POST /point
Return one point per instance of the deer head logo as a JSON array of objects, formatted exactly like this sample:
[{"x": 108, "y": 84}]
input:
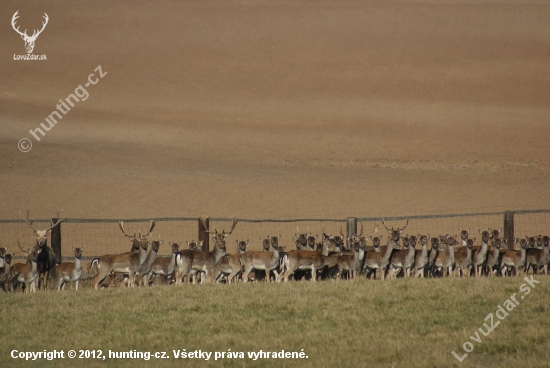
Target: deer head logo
[{"x": 29, "y": 40}]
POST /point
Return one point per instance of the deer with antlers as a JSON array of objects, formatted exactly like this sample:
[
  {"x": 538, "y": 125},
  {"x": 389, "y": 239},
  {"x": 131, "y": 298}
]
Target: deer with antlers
[
  {"x": 206, "y": 261},
  {"x": 47, "y": 258},
  {"x": 395, "y": 234},
  {"x": 29, "y": 40},
  {"x": 127, "y": 263}
]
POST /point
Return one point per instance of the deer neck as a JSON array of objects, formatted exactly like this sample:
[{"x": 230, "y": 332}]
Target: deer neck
[
  {"x": 484, "y": 247},
  {"x": 464, "y": 243},
  {"x": 218, "y": 253},
  {"x": 388, "y": 253},
  {"x": 77, "y": 264},
  {"x": 523, "y": 255},
  {"x": 172, "y": 264},
  {"x": 142, "y": 255},
  {"x": 151, "y": 257},
  {"x": 361, "y": 254},
  {"x": 451, "y": 253}
]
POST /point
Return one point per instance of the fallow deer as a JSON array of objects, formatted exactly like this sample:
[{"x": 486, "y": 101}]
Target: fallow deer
[
  {"x": 537, "y": 258},
  {"x": 206, "y": 261},
  {"x": 266, "y": 261},
  {"x": 434, "y": 243},
  {"x": 164, "y": 267},
  {"x": 403, "y": 259},
  {"x": 70, "y": 271},
  {"x": 421, "y": 257},
  {"x": 351, "y": 264},
  {"x": 463, "y": 258},
  {"x": 299, "y": 260},
  {"x": 445, "y": 260},
  {"x": 479, "y": 253},
  {"x": 46, "y": 258},
  {"x": 514, "y": 259},
  {"x": 377, "y": 260},
  {"x": 5, "y": 271},
  {"x": 463, "y": 255},
  {"x": 26, "y": 274},
  {"x": 144, "y": 270},
  {"x": 300, "y": 241},
  {"x": 493, "y": 257},
  {"x": 184, "y": 260},
  {"x": 127, "y": 263},
  {"x": 3, "y": 252},
  {"x": 395, "y": 234},
  {"x": 231, "y": 264}
]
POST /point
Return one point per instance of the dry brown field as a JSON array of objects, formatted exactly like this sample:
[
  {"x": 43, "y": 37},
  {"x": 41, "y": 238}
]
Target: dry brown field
[{"x": 277, "y": 109}]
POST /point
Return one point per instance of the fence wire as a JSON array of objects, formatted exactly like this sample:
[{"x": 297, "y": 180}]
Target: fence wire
[{"x": 103, "y": 236}]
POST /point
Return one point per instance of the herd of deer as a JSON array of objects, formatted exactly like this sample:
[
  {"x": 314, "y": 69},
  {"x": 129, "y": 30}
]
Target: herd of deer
[{"x": 311, "y": 260}]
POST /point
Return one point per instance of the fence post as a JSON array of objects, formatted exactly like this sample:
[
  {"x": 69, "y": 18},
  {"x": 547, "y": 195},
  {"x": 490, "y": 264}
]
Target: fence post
[
  {"x": 509, "y": 228},
  {"x": 203, "y": 235},
  {"x": 351, "y": 229},
  {"x": 55, "y": 236}
]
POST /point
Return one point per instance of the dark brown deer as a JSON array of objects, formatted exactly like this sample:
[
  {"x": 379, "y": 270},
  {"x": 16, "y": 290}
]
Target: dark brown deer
[{"x": 46, "y": 257}]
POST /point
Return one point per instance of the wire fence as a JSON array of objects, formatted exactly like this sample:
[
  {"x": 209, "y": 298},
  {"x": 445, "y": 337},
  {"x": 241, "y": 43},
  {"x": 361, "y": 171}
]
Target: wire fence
[{"x": 103, "y": 236}]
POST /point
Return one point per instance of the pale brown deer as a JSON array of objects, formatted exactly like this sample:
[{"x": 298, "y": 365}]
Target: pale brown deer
[
  {"x": 127, "y": 263},
  {"x": 70, "y": 271},
  {"x": 231, "y": 263},
  {"x": 206, "y": 261},
  {"x": 26, "y": 274},
  {"x": 514, "y": 259}
]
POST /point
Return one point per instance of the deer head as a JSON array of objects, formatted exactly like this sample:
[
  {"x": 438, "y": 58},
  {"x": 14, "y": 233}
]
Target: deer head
[
  {"x": 464, "y": 234},
  {"x": 29, "y": 40},
  {"x": 195, "y": 246},
  {"x": 241, "y": 245},
  {"x": 78, "y": 251},
  {"x": 219, "y": 238},
  {"x": 265, "y": 243},
  {"x": 41, "y": 235},
  {"x": 395, "y": 234}
]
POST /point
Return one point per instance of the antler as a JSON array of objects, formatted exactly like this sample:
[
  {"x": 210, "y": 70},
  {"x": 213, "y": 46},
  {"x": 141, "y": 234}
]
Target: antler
[
  {"x": 232, "y": 226},
  {"x": 35, "y": 34},
  {"x": 376, "y": 228},
  {"x": 203, "y": 219},
  {"x": 121, "y": 227},
  {"x": 15, "y": 16},
  {"x": 43, "y": 26},
  {"x": 26, "y": 219},
  {"x": 58, "y": 221},
  {"x": 384, "y": 223},
  {"x": 20, "y": 247},
  {"x": 341, "y": 232},
  {"x": 153, "y": 223},
  {"x": 405, "y": 224}
]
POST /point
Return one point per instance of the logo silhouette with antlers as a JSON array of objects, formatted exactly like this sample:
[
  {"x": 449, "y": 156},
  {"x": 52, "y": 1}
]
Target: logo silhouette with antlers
[{"x": 29, "y": 40}]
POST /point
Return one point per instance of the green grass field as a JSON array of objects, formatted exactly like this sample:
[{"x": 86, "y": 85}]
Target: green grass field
[{"x": 399, "y": 323}]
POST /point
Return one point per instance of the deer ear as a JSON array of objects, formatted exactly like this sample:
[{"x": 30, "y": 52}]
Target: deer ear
[
  {"x": 201, "y": 242},
  {"x": 261, "y": 241}
]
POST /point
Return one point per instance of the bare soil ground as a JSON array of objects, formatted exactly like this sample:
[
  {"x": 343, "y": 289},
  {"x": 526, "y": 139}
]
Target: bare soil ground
[{"x": 261, "y": 109}]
